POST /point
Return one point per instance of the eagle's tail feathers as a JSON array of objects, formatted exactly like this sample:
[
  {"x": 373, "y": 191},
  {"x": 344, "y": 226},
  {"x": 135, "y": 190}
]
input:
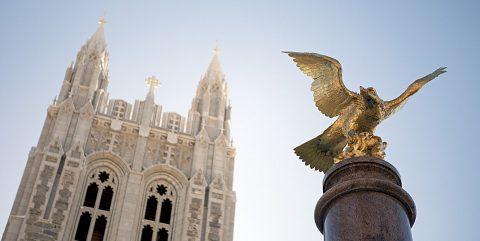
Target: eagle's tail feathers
[{"x": 316, "y": 153}]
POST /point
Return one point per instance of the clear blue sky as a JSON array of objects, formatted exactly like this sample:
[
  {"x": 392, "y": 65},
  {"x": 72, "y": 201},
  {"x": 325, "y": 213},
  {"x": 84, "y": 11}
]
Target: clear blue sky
[{"x": 380, "y": 44}]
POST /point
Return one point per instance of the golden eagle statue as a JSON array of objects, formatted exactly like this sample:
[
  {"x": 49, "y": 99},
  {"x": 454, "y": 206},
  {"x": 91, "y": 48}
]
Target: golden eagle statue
[{"x": 358, "y": 114}]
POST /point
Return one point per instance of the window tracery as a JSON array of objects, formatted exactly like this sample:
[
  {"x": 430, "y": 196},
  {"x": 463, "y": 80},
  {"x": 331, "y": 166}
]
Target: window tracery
[
  {"x": 95, "y": 211},
  {"x": 158, "y": 212}
]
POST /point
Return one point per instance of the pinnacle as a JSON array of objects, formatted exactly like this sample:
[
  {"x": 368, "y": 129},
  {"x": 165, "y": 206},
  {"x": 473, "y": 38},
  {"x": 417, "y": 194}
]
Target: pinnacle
[
  {"x": 97, "y": 40},
  {"x": 214, "y": 70}
]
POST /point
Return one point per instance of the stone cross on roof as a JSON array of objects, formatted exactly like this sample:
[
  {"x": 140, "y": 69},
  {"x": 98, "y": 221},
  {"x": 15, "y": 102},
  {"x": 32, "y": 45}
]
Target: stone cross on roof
[
  {"x": 102, "y": 21},
  {"x": 152, "y": 82},
  {"x": 216, "y": 49}
]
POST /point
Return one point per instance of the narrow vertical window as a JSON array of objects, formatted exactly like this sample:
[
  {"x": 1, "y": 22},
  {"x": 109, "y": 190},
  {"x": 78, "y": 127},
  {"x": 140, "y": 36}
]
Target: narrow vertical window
[
  {"x": 162, "y": 235},
  {"x": 91, "y": 195},
  {"x": 159, "y": 212},
  {"x": 98, "y": 202},
  {"x": 106, "y": 199},
  {"x": 166, "y": 211},
  {"x": 83, "y": 225},
  {"x": 147, "y": 233},
  {"x": 151, "y": 209},
  {"x": 99, "y": 229}
]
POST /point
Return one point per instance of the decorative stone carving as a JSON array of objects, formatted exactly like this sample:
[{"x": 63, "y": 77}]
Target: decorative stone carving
[
  {"x": 153, "y": 152},
  {"x": 194, "y": 220},
  {"x": 172, "y": 137},
  {"x": 183, "y": 158},
  {"x": 76, "y": 151},
  {"x": 126, "y": 146},
  {"x": 67, "y": 106},
  {"x": 98, "y": 139},
  {"x": 64, "y": 194},
  {"x": 116, "y": 124},
  {"x": 55, "y": 146},
  {"x": 144, "y": 131},
  {"x": 198, "y": 178},
  {"x": 202, "y": 138},
  {"x": 52, "y": 111},
  {"x": 221, "y": 141},
  {"x": 39, "y": 199},
  {"x": 218, "y": 183},
  {"x": 87, "y": 111},
  {"x": 214, "y": 223}
]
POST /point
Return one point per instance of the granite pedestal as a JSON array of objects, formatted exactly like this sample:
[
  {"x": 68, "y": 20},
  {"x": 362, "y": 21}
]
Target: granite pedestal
[{"x": 363, "y": 200}]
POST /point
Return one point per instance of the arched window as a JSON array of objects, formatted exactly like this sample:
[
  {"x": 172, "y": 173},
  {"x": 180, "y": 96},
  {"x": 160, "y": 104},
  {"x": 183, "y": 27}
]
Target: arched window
[
  {"x": 158, "y": 212},
  {"x": 151, "y": 209},
  {"x": 97, "y": 204},
  {"x": 147, "y": 233},
  {"x": 91, "y": 195},
  {"x": 106, "y": 199},
  {"x": 166, "y": 211},
  {"x": 99, "y": 228},
  {"x": 162, "y": 235},
  {"x": 83, "y": 226}
]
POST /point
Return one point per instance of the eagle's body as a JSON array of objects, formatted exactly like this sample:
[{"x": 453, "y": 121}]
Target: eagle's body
[{"x": 357, "y": 113}]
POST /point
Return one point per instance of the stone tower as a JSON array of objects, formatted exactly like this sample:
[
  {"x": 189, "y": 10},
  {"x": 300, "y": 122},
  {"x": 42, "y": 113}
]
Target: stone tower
[{"x": 104, "y": 169}]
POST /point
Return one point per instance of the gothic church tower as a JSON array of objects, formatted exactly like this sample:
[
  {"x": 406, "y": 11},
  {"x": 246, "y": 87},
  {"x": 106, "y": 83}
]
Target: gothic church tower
[{"x": 104, "y": 169}]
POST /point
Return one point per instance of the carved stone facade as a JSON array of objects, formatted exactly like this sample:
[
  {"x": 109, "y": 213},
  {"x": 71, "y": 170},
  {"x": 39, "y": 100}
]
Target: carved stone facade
[{"x": 109, "y": 170}]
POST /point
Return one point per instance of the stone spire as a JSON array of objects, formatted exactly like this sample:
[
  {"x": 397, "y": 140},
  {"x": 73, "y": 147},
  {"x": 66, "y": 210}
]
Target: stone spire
[
  {"x": 97, "y": 40},
  {"x": 86, "y": 80},
  {"x": 209, "y": 106},
  {"x": 214, "y": 70}
]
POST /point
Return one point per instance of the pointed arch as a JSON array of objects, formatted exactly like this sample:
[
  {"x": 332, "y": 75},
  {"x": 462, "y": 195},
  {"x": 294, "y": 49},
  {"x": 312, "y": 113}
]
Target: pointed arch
[
  {"x": 147, "y": 233},
  {"x": 91, "y": 195},
  {"x": 164, "y": 186},
  {"x": 162, "y": 235},
  {"x": 105, "y": 175},
  {"x": 172, "y": 174},
  {"x": 151, "y": 208},
  {"x": 99, "y": 158}
]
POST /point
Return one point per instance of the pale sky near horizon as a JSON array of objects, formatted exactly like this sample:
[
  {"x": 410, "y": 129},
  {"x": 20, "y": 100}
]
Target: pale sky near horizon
[{"x": 384, "y": 44}]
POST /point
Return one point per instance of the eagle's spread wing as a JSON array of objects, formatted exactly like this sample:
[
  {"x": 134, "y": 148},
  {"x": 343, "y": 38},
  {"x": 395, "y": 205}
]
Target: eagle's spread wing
[
  {"x": 392, "y": 106},
  {"x": 330, "y": 94}
]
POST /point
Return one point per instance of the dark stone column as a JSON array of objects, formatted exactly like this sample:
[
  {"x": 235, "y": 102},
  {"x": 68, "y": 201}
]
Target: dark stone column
[{"x": 363, "y": 200}]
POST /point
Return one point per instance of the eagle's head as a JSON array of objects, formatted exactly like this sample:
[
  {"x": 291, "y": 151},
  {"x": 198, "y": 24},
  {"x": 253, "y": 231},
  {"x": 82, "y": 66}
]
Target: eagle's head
[{"x": 370, "y": 97}]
